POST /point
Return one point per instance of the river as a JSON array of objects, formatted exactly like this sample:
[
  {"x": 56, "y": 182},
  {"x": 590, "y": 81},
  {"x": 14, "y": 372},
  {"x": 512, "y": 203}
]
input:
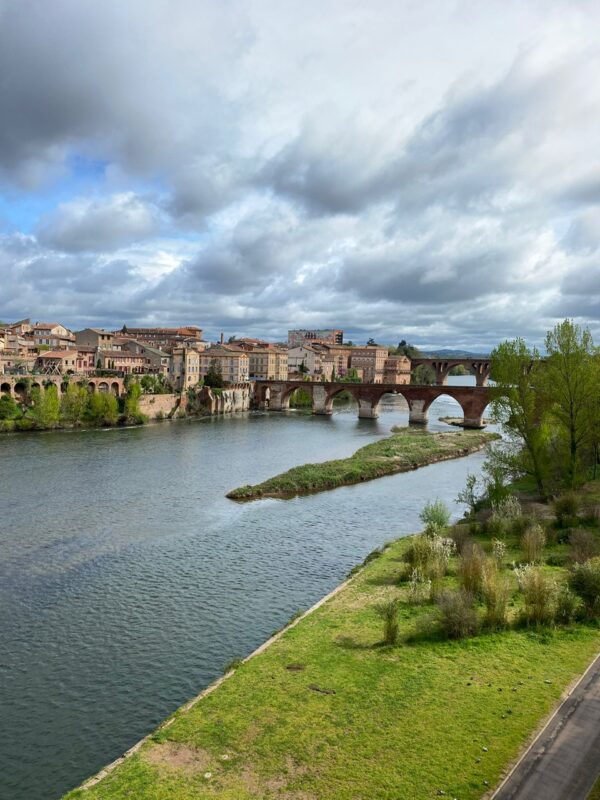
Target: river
[{"x": 128, "y": 580}]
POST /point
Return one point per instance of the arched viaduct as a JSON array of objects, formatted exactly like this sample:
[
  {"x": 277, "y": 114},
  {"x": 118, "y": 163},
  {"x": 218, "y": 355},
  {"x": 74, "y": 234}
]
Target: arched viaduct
[
  {"x": 275, "y": 395},
  {"x": 16, "y": 385},
  {"x": 479, "y": 367}
]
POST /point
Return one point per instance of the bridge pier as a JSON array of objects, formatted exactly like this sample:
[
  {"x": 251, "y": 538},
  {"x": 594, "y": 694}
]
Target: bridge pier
[
  {"x": 418, "y": 413},
  {"x": 366, "y": 410},
  {"x": 319, "y": 404}
]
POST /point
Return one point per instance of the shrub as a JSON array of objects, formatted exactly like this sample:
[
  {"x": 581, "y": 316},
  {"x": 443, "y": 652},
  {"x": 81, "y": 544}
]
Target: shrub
[
  {"x": 430, "y": 555},
  {"x": 539, "y": 592},
  {"x": 435, "y": 516},
  {"x": 419, "y": 588},
  {"x": 584, "y": 546},
  {"x": 471, "y": 569},
  {"x": 532, "y": 543},
  {"x": 566, "y": 509},
  {"x": 506, "y": 516},
  {"x": 461, "y": 537},
  {"x": 585, "y": 582},
  {"x": 496, "y": 594},
  {"x": 456, "y": 616},
  {"x": 469, "y": 496},
  {"x": 389, "y": 614},
  {"x": 566, "y": 606},
  {"x": 8, "y": 408},
  {"x": 498, "y": 551}
]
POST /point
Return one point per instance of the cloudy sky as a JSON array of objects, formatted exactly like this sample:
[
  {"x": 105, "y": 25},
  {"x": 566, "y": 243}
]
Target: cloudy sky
[{"x": 424, "y": 169}]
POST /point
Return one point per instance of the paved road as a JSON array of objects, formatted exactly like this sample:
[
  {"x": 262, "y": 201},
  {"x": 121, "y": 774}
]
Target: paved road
[{"x": 563, "y": 763}]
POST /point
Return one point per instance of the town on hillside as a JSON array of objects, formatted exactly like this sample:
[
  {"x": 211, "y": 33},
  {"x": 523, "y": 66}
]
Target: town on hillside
[{"x": 183, "y": 359}]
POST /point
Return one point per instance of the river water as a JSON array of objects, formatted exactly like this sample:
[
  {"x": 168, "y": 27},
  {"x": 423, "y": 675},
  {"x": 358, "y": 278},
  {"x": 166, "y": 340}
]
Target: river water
[{"x": 128, "y": 580}]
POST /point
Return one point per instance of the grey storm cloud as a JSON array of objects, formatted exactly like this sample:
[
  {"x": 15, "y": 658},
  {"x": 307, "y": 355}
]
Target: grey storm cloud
[{"x": 385, "y": 167}]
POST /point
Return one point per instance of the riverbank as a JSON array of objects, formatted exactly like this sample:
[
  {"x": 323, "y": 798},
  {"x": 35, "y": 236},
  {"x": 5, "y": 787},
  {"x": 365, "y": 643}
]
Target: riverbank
[
  {"x": 405, "y": 450},
  {"x": 329, "y": 711}
]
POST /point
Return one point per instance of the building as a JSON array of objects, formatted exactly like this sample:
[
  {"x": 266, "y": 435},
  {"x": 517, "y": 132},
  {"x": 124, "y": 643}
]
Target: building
[
  {"x": 268, "y": 364},
  {"x": 164, "y": 337},
  {"x": 304, "y": 361},
  {"x": 51, "y": 334},
  {"x": 184, "y": 368},
  {"x": 158, "y": 361},
  {"x": 95, "y": 337},
  {"x": 396, "y": 369},
  {"x": 371, "y": 361},
  {"x": 233, "y": 363},
  {"x": 305, "y": 336},
  {"x": 57, "y": 362},
  {"x": 122, "y": 361},
  {"x": 86, "y": 360}
]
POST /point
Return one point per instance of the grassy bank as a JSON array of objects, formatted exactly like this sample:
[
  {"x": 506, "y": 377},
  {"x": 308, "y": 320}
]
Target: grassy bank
[
  {"x": 406, "y": 449},
  {"x": 328, "y": 711}
]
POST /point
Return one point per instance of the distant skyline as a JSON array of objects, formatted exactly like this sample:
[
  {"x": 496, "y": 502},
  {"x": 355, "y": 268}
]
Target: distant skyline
[{"x": 419, "y": 170}]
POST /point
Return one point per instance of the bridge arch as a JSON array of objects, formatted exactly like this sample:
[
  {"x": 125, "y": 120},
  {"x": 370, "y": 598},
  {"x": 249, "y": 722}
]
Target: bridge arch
[
  {"x": 472, "y": 406},
  {"x": 6, "y": 388},
  {"x": 350, "y": 388}
]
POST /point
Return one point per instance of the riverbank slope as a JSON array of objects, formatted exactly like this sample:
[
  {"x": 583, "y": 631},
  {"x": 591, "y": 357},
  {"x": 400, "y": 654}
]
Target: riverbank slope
[
  {"x": 328, "y": 711},
  {"x": 405, "y": 450}
]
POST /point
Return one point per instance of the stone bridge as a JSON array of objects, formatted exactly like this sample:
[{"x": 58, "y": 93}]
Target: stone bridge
[
  {"x": 275, "y": 395},
  {"x": 479, "y": 367},
  {"x": 16, "y": 385}
]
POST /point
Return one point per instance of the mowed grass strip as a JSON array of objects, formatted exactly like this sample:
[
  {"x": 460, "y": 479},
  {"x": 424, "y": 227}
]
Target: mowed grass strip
[
  {"x": 405, "y": 450},
  {"x": 329, "y": 713}
]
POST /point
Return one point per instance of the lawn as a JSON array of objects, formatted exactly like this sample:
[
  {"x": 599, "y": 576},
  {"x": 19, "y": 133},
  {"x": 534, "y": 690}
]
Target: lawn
[
  {"x": 329, "y": 713},
  {"x": 405, "y": 450}
]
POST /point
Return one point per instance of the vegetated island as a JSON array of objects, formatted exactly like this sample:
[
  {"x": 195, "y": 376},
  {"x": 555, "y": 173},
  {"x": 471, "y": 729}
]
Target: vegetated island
[
  {"x": 405, "y": 450},
  {"x": 389, "y": 689}
]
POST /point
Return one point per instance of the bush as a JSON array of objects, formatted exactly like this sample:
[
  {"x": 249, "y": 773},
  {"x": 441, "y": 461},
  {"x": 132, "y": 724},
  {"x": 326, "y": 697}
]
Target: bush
[
  {"x": 8, "y": 408},
  {"x": 471, "y": 570},
  {"x": 585, "y": 582},
  {"x": 389, "y": 614},
  {"x": 496, "y": 594},
  {"x": 461, "y": 537},
  {"x": 566, "y": 509},
  {"x": 419, "y": 588},
  {"x": 539, "y": 592},
  {"x": 583, "y": 546},
  {"x": 498, "y": 551},
  {"x": 435, "y": 516},
  {"x": 430, "y": 555},
  {"x": 456, "y": 616},
  {"x": 566, "y": 606},
  {"x": 532, "y": 543},
  {"x": 506, "y": 516}
]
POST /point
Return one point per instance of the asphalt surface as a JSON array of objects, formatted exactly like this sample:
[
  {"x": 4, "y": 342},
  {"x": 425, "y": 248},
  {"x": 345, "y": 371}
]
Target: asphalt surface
[{"x": 563, "y": 762}]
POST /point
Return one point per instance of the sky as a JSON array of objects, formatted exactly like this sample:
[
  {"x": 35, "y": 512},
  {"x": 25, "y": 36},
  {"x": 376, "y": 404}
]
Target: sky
[{"x": 423, "y": 170}]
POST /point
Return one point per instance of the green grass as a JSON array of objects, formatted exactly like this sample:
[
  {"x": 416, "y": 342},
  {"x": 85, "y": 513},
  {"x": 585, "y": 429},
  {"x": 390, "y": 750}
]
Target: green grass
[
  {"x": 357, "y": 720},
  {"x": 595, "y": 793},
  {"x": 406, "y": 449}
]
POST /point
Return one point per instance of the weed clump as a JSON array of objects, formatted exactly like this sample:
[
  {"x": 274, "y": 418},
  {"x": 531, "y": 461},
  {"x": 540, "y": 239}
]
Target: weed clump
[
  {"x": 585, "y": 582},
  {"x": 533, "y": 542},
  {"x": 539, "y": 592},
  {"x": 456, "y": 614},
  {"x": 389, "y": 614}
]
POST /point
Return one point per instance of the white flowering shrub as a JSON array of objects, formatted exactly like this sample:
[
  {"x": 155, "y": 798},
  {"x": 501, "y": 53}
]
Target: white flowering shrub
[{"x": 419, "y": 588}]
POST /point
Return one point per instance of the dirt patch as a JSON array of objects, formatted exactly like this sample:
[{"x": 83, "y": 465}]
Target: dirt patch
[
  {"x": 277, "y": 786},
  {"x": 181, "y": 757}
]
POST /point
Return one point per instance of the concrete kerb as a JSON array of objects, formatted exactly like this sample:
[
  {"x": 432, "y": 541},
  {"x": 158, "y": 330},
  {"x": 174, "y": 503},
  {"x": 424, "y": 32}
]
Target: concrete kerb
[
  {"x": 546, "y": 722},
  {"x": 105, "y": 771}
]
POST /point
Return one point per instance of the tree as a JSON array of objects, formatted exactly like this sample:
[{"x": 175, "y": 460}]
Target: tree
[
  {"x": 571, "y": 386},
  {"x": 371, "y": 343},
  {"x": 518, "y": 405},
  {"x": 102, "y": 409},
  {"x": 45, "y": 412},
  {"x": 132, "y": 404},
  {"x": 231, "y": 339},
  {"x": 74, "y": 404},
  {"x": 303, "y": 369},
  {"x": 8, "y": 407},
  {"x": 214, "y": 375},
  {"x": 351, "y": 376}
]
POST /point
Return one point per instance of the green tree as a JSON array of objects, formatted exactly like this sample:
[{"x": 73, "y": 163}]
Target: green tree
[
  {"x": 571, "y": 384},
  {"x": 303, "y": 369},
  {"x": 132, "y": 404},
  {"x": 102, "y": 408},
  {"x": 74, "y": 404},
  {"x": 214, "y": 375},
  {"x": 45, "y": 412},
  {"x": 8, "y": 407},
  {"x": 518, "y": 404},
  {"x": 371, "y": 342}
]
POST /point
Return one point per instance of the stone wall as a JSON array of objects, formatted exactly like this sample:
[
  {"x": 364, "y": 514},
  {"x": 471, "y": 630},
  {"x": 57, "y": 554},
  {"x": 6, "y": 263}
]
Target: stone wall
[
  {"x": 225, "y": 401},
  {"x": 154, "y": 404}
]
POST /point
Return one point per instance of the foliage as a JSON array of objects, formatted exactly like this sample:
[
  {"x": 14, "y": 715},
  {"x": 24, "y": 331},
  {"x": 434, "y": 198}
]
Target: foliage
[
  {"x": 583, "y": 546},
  {"x": 495, "y": 593},
  {"x": 419, "y": 588},
  {"x": 471, "y": 569},
  {"x": 435, "y": 516},
  {"x": 155, "y": 384},
  {"x": 389, "y": 614},
  {"x": 456, "y": 615},
  {"x": 533, "y": 542},
  {"x": 8, "y": 408},
  {"x": 214, "y": 375},
  {"x": 539, "y": 592},
  {"x": 469, "y": 495},
  {"x": 566, "y": 606},
  {"x": 45, "y": 411},
  {"x": 74, "y": 405},
  {"x": 566, "y": 508},
  {"x": 585, "y": 582},
  {"x": 430, "y": 554},
  {"x": 351, "y": 376},
  {"x": 506, "y": 515},
  {"x": 102, "y": 409},
  {"x": 133, "y": 415},
  {"x": 498, "y": 550}
]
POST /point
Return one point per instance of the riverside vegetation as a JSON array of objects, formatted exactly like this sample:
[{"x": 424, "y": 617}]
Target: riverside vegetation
[{"x": 406, "y": 449}]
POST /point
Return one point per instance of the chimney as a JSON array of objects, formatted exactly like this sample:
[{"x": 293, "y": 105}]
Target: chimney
[{"x": 222, "y": 339}]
